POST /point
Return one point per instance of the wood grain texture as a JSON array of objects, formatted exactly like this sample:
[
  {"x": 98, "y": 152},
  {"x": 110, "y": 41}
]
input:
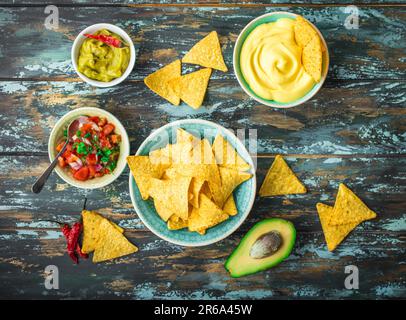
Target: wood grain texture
[
  {"x": 353, "y": 131},
  {"x": 344, "y": 118},
  {"x": 162, "y": 34}
]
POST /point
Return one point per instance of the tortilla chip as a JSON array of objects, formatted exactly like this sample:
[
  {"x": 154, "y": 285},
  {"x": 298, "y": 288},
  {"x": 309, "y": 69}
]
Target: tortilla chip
[
  {"x": 206, "y": 190},
  {"x": 112, "y": 243},
  {"x": 348, "y": 208},
  {"x": 230, "y": 179},
  {"x": 176, "y": 223},
  {"x": 172, "y": 154},
  {"x": 163, "y": 211},
  {"x": 182, "y": 136},
  {"x": 207, "y": 53},
  {"x": 158, "y": 81},
  {"x": 206, "y": 216},
  {"x": 304, "y": 32},
  {"x": 229, "y": 206},
  {"x": 191, "y": 87},
  {"x": 281, "y": 180},
  {"x": 172, "y": 193},
  {"x": 143, "y": 170},
  {"x": 91, "y": 227},
  {"x": 312, "y": 58},
  {"x": 334, "y": 235},
  {"x": 194, "y": 189},
  {"x": 227, "y": 156}
]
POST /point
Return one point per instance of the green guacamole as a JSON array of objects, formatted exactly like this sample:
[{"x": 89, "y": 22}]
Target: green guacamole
[{"x": 102, "y": 62}]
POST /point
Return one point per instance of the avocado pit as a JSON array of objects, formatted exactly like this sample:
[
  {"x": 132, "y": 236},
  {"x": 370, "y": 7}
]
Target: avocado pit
[{"x": 266, "y": 245}]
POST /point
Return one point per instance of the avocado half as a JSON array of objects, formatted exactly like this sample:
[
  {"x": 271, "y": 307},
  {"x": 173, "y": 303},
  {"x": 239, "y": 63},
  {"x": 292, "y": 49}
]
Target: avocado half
[{"x": 240, "y": 263}]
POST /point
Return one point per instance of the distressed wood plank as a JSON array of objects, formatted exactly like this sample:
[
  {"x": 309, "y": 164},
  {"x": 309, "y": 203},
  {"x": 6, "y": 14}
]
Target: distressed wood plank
[
  {"x": 348, "y": 117},
  {"x": 161, "y": 34},
  {"x": 160, "y": 270},
  {"x": 380, "y": 182}
]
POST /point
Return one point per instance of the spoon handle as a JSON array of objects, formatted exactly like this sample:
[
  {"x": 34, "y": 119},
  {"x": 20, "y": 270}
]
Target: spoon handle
[{"x": 39, "y": 184}]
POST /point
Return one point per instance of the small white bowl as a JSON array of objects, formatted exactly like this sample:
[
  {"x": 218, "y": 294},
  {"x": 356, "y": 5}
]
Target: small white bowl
[
  {"x": 266, "y": 18},
  {"x": 57, "y": 133},
  {"x": 92, "y": 29}
]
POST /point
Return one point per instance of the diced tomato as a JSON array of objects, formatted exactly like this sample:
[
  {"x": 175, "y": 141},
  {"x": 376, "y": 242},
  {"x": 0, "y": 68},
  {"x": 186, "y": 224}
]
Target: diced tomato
[
  {"x": 82, "y": 174},
  {"x": 72, "y": 158},
  {"x": 115, "y": 138},
  {"x": 94, "y": 119},
  {"x": 108, "y": 128},
  {"x": 91, "y": 159},
  {"x": 102, "y": 122},
  {"x": 92, "y": 171},
  {"x": 99, "y": 174},
  {"x": 60, "y": 146},
  {"x": 66, "y": 154},
  {"x": 86, "y": 128},
  {"x": 105, "y": 143},
  {"x": 61, "y": 162}
]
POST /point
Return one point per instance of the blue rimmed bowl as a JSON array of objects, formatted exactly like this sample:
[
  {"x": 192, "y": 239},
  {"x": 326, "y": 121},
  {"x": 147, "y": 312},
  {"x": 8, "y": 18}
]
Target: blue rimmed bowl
[
  {"x": 266, "y": 18},
  {"x": 244, "y": 194}
]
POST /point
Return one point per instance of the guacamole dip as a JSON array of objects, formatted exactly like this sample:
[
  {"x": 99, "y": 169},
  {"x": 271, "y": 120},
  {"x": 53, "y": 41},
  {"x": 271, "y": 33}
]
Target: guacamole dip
[
  {"x": 103, "y": 62},
  {"x": 271, "y": 62}
]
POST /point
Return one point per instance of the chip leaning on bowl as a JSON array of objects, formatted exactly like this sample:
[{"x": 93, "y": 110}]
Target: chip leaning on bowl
[
  {"x": 191, "y": 182},
  {"x": 282, "y": 60}
]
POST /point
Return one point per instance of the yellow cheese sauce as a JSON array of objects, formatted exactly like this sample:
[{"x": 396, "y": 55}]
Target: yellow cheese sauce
[
  {"x": 271, "y": 62},
  {"x": 102, "y": 62}
]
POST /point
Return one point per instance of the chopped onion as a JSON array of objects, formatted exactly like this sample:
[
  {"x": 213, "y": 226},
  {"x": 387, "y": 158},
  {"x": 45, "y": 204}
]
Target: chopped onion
[
  {"x": 76, "y": 165},
  {"x": 98, "y": 167},
  {"x": 85, "y": 140}
]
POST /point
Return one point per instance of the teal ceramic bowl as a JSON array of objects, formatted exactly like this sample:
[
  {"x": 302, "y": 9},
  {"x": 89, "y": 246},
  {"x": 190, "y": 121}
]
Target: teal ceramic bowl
[
  {"x": 244, "y": 194},
  {"x": 266, "y": 18}
]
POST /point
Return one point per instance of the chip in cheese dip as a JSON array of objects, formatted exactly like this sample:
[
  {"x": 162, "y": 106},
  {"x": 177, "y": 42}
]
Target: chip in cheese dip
[{"x": 271, "y": 63}]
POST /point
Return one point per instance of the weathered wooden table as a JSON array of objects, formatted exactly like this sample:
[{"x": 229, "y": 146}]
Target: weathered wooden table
[{"x": 353, "y": 131}]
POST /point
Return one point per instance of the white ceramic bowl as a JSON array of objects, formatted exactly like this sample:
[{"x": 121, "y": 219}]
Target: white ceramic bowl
[
  {"x": 244, "y": 194},
  {"x": 92, "y": 29},
  {"x": 57, "y": 133},
  {"x": 266, "y": 18}
]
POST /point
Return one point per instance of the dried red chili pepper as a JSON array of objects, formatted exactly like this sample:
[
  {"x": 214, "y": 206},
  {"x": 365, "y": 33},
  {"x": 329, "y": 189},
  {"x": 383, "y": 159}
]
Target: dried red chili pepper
[
  {"x": 109, "y": 40},
  {"x": 67, "y": 232}
]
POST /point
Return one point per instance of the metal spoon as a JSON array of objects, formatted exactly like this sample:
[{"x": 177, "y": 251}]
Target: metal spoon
[{"x": 39, "y": 184}]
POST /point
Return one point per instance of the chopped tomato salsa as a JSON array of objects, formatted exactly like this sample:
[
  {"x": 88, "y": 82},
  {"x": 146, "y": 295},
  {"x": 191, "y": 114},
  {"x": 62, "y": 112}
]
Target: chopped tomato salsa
[{"x": 93, "y": 151}]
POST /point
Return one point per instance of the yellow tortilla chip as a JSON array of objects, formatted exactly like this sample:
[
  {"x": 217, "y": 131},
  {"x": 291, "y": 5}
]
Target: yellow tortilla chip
[
  {"x": 227, "y": 156},
  {"x": 163, "y": 211},
  {"x": 229, "y": 207},
  {"x": 172, "y": 154},
  {"x": 112, "y": 243},
  {"x": 207, "y": 53},
  {"x": 91, "y": 227},
  {"x": 173, "y": 193},
  {"x": 280, "y": 180},
  {"x": 230, "y": 179},
  {"x": 182, "y": 136},
  {"x": 304, "y": 32},
  {"x": 176, "y": 223},
  {"x": 334, "y": 235},
  {"x": 191, "y": 87},
  {"x": 206, "y": 216},
  {"x": 143, "y": 170},
  {"x": 348, "y": 208},
  {"x": 312, "y": 58},
  {"x": 195, "y": 187},
  {"x": 159, "y": 81}
]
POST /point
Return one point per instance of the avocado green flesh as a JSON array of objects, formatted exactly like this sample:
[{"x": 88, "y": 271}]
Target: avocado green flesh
[{"x": 240, "y": 263}]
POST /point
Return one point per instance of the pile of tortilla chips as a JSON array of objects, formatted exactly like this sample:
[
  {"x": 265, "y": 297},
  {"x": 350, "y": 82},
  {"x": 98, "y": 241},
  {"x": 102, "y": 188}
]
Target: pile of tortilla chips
[
  {"x": 308, "y": 39},
  {"x": 104, "y": 237},
  {"x": 170, "y": 84},
  {"x": 280, "y": 180},
  {"x": 338, "y": 221},
  {"x": 191, "y": 182}
]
